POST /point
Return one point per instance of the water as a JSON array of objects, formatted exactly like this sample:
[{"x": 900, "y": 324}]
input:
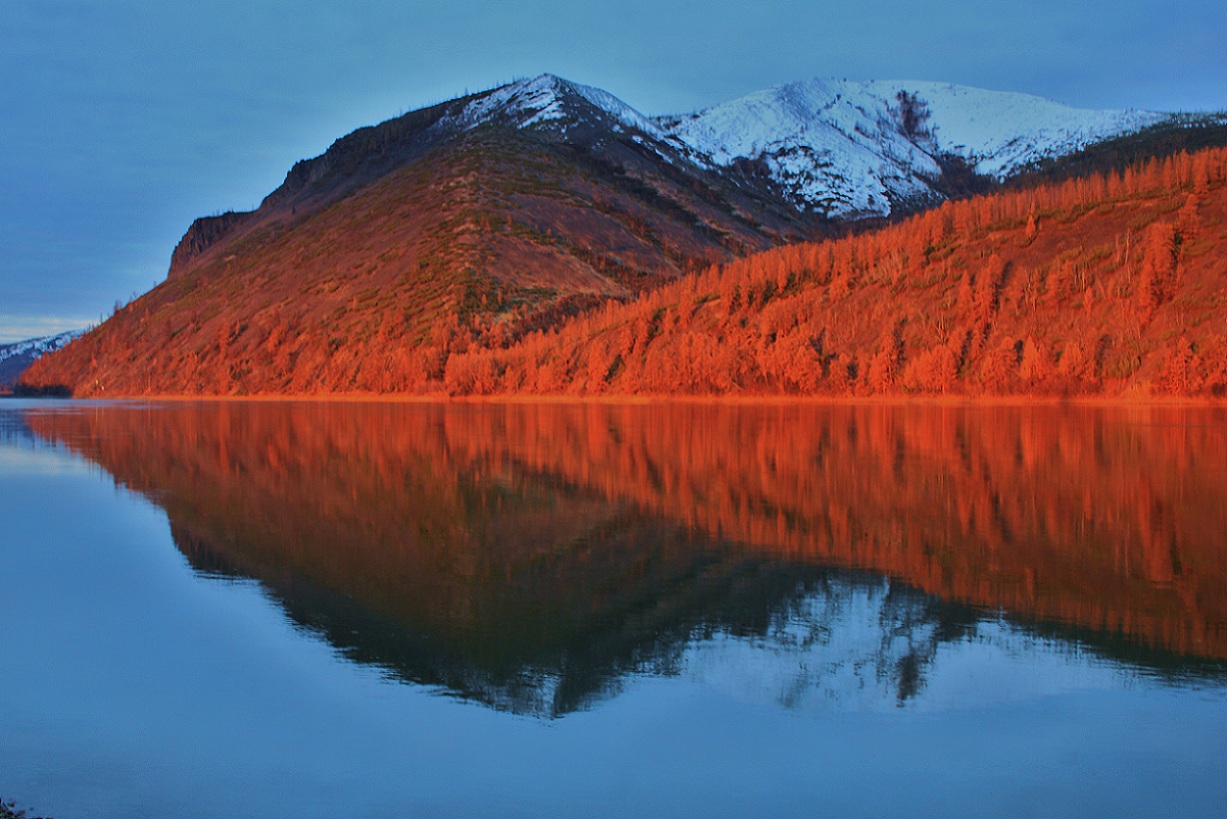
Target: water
[{"x": 385, "y": 610}]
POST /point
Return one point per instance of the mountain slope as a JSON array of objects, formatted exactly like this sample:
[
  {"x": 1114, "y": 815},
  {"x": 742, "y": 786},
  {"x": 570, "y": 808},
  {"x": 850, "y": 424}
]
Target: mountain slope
[
  {"x": 545, "y": 110},
  {"x": 1110, "y": 284}
]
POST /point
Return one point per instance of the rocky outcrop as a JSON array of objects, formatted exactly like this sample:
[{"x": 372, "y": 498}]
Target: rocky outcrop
[{"x": 204, "y": 233}]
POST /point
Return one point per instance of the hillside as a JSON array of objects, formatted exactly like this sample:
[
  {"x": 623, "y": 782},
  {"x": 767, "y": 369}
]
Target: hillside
[{"x": 1110, "y": 284}]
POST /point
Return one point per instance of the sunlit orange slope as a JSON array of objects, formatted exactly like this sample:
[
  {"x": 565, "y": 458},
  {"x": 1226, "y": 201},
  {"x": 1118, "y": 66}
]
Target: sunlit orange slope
[
  {"x": 367, "y": 278},
  {"x": 1112, "y": 284}
]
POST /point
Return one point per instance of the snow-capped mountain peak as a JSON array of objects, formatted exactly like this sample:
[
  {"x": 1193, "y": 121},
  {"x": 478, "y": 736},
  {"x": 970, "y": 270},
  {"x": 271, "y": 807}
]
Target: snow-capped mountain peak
[
  {"x": 862, "y": 148},
  {"x": 548, "y": 99}
]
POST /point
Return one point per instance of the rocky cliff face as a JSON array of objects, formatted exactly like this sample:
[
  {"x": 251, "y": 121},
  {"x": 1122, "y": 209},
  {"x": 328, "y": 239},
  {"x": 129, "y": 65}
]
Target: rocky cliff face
[{"x": 202, "y": 235}]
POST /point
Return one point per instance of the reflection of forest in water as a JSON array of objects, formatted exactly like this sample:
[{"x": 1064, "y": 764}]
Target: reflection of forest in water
[{"x": 531, "y": 555}]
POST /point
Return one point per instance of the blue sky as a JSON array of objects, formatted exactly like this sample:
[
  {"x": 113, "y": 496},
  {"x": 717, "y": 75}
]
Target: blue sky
[{"x": 122, "y": 120}]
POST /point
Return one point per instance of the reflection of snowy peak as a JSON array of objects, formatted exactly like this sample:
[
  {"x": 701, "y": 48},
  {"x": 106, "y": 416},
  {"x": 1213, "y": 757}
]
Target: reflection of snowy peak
[
  {"x": 865, "y": 644},
  {"x": 850, "y": 148}
]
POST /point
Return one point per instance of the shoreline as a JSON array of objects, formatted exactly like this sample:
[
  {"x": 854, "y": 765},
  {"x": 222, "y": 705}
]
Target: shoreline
[
  {"x": 658, "y": 399},
  {"x": 9, "y": 810}
]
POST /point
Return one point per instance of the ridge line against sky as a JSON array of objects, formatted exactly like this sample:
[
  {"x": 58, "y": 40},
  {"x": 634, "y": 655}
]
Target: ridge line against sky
[{"x": 125, "y": 120}]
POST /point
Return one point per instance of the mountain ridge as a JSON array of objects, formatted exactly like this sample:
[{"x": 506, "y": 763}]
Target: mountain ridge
[
  {"x": 1109, "y": 285},
  {"x": 475, "y": 222},
  {"x": 795, "y": 155}
]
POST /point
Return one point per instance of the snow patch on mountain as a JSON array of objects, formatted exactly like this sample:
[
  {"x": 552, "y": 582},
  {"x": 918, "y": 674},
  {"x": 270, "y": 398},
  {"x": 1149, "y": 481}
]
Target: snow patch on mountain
[{"x": 1001, "y": 132}]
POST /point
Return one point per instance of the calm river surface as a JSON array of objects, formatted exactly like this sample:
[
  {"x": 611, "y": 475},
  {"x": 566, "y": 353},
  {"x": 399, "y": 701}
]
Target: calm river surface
[{"x": 392, "y": 610}]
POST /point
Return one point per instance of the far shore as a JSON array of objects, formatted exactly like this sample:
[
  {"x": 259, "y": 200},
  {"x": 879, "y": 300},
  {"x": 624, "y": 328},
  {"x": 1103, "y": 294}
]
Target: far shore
[
  {"x": 729, "y": 399},
  {"x": 9, "y": 810}
]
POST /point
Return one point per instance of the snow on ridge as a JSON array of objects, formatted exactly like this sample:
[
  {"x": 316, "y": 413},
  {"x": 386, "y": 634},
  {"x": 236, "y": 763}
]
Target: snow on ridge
[
  {"x": 38, "y": 346},
  {"x": 836, "y": 146},
  {"x": 537, "y": 97},
  {"x": 612, "y": 105}
]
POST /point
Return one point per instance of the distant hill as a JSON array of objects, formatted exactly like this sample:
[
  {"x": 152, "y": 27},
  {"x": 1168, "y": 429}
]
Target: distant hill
[
  {"x": 17, "y": 356},
  {"x": 472, "y": 224},
  {"x": 1182, "y": 133}
]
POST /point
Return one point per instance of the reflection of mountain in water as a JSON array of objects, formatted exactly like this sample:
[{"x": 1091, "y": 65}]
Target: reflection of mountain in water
[
  {"x": 531, "y": 556},
  {"x": 550, "y": 660},
  {"x": 14, "y": 430}
]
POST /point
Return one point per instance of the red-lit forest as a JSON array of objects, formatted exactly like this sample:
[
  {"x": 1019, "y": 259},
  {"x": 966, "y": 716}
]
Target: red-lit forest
[
  {"x": 1107, "y": 285},
  {"x": 1113, "y": 284}
]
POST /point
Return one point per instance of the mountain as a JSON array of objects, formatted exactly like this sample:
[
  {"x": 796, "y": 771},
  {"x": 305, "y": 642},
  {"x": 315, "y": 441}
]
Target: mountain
[
  {"x": 473, "y": 223},
  {"x": 16, "y": 357},
  {"x": 506, "y": 149}
]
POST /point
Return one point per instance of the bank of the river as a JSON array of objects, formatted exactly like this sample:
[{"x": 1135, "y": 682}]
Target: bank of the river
[
  {"x": 9, "y": 810},
  {"x": 961, "y": 400}
]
